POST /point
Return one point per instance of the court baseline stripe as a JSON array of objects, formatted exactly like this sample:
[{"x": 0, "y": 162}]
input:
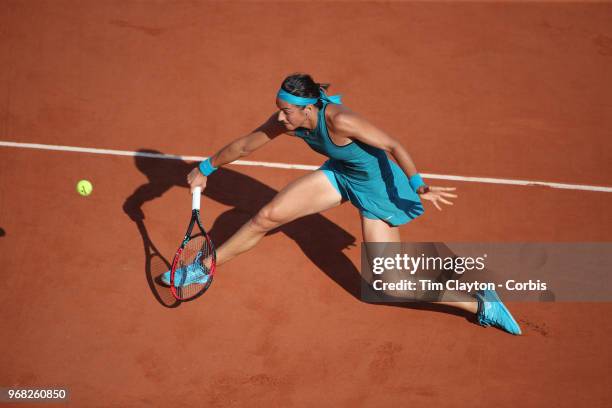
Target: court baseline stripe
[{"x": 489, "y": 180}]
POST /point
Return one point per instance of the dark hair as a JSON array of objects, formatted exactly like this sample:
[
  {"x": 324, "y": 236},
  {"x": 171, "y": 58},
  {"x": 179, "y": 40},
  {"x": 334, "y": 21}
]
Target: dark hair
[{"x": 303, "y": 85}]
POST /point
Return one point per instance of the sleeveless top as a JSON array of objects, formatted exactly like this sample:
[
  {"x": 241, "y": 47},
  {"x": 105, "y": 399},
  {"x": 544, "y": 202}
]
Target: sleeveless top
[
  {"x": 356, "y": 160},
  {"x": 373, "y": 183}
]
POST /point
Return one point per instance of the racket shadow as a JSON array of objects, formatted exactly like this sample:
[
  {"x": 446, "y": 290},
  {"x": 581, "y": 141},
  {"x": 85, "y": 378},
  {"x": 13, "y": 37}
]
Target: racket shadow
[
  {"x": 321, "y": 240},
  {"x": 155, "y": 265},
  {"x": 162, "y": 175}
]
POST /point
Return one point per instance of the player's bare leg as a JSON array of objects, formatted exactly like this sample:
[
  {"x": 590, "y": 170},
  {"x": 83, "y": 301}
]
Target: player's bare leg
[
  {"x": 380, "y": 231},
  {"x": 309, "y": 194}
]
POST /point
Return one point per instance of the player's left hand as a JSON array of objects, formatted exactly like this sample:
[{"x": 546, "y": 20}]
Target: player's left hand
[{"x": 439, "y": 195}]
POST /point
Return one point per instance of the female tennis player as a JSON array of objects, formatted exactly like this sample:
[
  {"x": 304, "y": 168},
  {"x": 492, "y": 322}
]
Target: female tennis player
[{"x": 387, "y": 193}]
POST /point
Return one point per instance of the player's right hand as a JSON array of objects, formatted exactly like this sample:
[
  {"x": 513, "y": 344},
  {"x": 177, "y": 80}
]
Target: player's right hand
[{"x": 195, "y": 178}]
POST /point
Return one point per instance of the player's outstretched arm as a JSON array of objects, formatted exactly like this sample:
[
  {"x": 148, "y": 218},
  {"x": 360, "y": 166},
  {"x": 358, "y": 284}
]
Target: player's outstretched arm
[{"x": 235, "y": 150}]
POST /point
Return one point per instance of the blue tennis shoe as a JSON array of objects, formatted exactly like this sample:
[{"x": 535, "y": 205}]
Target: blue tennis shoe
[
  {"x": 492, "y": 312},
  {"x": 187, "y": 275}
]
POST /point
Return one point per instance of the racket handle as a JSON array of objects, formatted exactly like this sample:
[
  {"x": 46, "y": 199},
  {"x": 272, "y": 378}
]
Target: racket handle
[{"x": 195, "y": 198}]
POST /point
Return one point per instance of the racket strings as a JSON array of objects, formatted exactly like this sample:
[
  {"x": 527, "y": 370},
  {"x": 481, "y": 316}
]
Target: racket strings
[{"x": 193, "y": 269}]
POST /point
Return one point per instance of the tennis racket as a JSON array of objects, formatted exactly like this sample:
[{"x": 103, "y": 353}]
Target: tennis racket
[{"x": 193, "y": 266}]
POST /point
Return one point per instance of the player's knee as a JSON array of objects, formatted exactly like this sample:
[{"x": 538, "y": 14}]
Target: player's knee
[{"x": 268, "y": 218}]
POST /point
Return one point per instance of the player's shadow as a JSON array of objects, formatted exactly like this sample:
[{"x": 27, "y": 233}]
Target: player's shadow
[
  {"x": 2, "y": 233},
  {"x": 321, "y": 240}
]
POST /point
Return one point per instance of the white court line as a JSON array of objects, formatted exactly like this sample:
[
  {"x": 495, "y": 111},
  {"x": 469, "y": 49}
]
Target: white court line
[{"x": 298, "y": 166}]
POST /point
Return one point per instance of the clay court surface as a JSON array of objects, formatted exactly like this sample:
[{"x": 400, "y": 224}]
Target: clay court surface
[{"x": 501, "y": 90}]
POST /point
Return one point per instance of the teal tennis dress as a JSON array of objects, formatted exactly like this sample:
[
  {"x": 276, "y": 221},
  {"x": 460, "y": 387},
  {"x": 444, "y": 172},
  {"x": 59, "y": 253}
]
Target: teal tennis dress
[{"x": 365, "y": 176}]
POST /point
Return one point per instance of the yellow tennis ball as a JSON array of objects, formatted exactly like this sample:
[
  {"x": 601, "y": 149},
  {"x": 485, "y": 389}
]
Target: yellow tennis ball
[{"x": 84, "y": 187}]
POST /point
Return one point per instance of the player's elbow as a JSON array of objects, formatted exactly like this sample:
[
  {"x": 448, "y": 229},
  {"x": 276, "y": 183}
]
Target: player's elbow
[{"x": 392, "y": 146}]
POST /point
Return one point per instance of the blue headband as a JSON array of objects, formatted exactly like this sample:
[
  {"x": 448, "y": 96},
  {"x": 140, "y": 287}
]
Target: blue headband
[{"x": 299, "y": 101}]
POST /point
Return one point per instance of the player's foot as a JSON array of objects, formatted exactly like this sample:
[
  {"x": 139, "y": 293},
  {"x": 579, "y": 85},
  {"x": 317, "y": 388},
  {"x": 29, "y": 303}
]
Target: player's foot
[
  {"x": 193, "y": 273},
  {"x": 492, "y": 312}
]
